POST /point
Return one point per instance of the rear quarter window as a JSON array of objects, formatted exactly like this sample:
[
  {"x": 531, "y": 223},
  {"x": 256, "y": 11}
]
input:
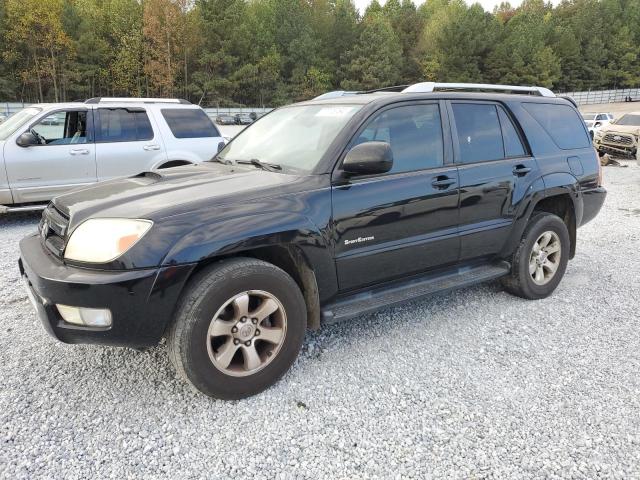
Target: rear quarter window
[
  {"x": 189, "y": 123},
  {"x": 561, "y": 122}
]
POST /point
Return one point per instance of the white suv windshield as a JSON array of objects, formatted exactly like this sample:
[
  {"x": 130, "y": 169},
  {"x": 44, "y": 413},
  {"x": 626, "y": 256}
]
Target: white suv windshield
[
  {"x": 16, "y": 120},
  {"x": 293, "y": 137},
  {"x": 629, "y": 119}
]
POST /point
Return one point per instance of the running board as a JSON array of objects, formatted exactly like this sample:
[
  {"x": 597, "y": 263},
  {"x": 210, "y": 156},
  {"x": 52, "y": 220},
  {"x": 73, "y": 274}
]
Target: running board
[
  {"x": 24, "y": 208},
  {"x": 376, "y": 298}
]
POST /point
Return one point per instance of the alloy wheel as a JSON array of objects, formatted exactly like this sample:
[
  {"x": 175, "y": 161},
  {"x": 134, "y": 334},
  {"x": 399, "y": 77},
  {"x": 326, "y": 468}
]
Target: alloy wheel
[
  {"x": 545, "y": 257},
  {"x": 246, "y": 333}
]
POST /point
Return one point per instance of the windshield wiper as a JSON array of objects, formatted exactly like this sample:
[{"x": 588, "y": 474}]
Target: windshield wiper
[
  {"x": 271, "y": 167},
  {"x": 221, "y": 160}
]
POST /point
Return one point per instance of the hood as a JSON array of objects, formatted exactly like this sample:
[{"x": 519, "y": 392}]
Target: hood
[
  {"x": 163, "y": 193},
  {"x": 612, "y": 127}
]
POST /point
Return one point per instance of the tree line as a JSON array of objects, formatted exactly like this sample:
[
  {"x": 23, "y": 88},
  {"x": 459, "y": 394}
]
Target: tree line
[{"x": 272, "y": 52}]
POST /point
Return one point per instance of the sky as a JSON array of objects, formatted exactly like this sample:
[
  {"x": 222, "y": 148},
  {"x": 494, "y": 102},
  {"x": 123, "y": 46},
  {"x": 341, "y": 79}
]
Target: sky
[{"x": 486, "y": 4}]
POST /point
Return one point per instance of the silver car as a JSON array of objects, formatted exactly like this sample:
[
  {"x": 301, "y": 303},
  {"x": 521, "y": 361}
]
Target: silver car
[{"x": 48, "y": 149}]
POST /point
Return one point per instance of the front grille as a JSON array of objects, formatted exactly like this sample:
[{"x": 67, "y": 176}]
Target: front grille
[
  {"x": 618, "y": 138},
  {"x": 53, "y": 230}
]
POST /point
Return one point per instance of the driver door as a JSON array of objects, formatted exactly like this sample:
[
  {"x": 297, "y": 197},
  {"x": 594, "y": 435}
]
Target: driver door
[{"x": 64, "y": 159}]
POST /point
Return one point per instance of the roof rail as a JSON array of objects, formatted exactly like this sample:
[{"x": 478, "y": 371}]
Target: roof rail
[
  {"x": 136, "y": 100},
  {"x": 570, "y": 99},
  {"x": 335, "y": 94},
  {"x": 424, "y": 87},
  {"x": 393, "y": 88}
]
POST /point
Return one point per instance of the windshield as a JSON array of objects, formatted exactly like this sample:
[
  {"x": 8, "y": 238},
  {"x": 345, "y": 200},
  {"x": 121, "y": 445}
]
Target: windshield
[
  {"x": 293, "y": 137},
  {"x": 589, "y": 116},
  {"x": 629, "y": 119},
  {"x": 16, "y": 120}
]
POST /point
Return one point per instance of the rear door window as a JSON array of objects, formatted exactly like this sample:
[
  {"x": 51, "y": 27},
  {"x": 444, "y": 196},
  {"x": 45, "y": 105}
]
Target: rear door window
[
  {"x": 189, "y": 123},
  {"x": 561, "y": 122},
  {"x": 123, "y": 125},
  {"x": 479, "y": 132}
]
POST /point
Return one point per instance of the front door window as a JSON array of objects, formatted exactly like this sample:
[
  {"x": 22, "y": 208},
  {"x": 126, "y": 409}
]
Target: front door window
[{"x": 62, "y": 128}]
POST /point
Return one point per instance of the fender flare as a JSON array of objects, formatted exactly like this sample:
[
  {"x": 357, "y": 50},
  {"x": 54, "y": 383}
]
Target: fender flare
[{"x": 544, "y": 187}]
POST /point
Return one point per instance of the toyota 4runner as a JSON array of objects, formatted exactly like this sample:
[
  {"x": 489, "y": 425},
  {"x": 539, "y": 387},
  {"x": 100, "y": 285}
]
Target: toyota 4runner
[{"x": 318, "y": 212}]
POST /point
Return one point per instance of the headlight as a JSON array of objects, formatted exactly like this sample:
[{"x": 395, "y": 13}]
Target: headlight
[
  {"x": 599, "y": 134},
  {"x": 101, "y": 240}
]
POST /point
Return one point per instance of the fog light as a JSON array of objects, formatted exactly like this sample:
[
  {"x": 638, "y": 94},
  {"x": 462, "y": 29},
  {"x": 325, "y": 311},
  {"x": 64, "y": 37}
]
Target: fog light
[{"x": 90, "y": 317}]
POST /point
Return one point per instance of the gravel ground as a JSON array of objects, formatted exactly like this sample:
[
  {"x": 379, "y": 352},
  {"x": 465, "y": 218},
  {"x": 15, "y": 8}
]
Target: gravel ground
[{"x": 473, "y": 384}]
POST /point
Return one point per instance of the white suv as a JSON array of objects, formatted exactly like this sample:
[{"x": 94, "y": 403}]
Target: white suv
[
  {"x": 595, "y": 121},
  {"x": 48, "y": 149}
]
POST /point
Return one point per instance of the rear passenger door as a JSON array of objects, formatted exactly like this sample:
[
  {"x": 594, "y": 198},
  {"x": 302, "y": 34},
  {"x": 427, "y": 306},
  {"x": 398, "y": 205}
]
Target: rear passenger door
[
  {"x": 126, "y": 142},
  {"x": 495, "y": 170},
  {"x": 405, "y": 221}
]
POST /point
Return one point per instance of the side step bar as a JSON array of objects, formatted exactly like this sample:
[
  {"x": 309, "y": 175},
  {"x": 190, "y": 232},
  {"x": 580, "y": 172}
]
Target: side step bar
[
  {"x": 23, "y": 208},
  {"x": 376, "y": 298}
]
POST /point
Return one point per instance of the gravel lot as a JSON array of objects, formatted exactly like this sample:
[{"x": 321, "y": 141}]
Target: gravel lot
[{"x": 473, "y": 384}]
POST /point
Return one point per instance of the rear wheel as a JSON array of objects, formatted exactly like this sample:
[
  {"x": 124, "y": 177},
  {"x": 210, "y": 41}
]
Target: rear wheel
[
  {"x": 239, "y": 327},
  {"x": 540, "y": 259}
]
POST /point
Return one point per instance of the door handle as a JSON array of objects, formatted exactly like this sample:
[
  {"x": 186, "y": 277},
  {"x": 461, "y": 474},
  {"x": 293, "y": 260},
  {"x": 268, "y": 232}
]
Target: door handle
[
  {"x": 79, "y": 151},
  {"x": 151, "y": 147},
  {"x": 521, "y": 170},
  {"x": 442, "y": 182}
]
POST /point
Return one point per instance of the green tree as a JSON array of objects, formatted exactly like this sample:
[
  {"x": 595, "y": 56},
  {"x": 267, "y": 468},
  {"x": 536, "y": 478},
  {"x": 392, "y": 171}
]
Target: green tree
[
  {"x": 376, "y": 58},
  {"x": 37, "y": 43},
  {"x": 456, "y": 42}
]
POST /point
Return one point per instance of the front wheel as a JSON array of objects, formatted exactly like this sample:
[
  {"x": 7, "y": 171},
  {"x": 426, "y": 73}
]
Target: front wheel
[
  {"x": 238, "y": 329},
  {"x": 540, "y": 259}
]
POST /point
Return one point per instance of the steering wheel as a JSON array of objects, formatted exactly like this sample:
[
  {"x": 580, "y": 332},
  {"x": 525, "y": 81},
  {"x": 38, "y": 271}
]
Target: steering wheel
[{"x": 40, "y": 138}]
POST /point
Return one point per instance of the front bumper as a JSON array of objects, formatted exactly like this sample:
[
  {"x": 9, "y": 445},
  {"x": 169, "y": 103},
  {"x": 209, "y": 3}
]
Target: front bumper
[
  {"x": 625, "y": 151},
  {"x": 141, "y": 301}
]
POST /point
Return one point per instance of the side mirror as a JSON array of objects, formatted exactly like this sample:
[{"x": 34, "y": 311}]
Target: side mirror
[
  {"x": 221, "y": 145},
  {"x": 27, "y": 139},
  {"x": 598, "y": 124},
  {"x": 368, "y": 158}
]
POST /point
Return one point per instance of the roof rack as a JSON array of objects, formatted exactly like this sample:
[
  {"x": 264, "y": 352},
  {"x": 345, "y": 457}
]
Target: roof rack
[
  {"x": 393, "y": 88},
  {"x": 424, "y": 87},
  {"x": 137, "y": 100},
  {"x": 335, "y": 94}
]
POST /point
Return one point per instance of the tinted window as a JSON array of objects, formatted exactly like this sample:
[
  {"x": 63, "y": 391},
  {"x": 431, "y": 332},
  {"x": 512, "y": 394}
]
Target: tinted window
[
  {"x": 414, "y": 133},
  {"x": 629, "y": 119},
  {"x": 189, "y": 123},
  {"x": 561, "y": 122},
  {"x": 479, "y": 132},
  {"x": 512, "y": 143},
  {"x": 121, "y": 125},
  {"x": 62, "y": 128}
]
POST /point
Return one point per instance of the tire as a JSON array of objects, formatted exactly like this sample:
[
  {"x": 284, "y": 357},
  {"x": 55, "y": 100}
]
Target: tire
[
  {"x": 202, "y": 340},
  {"x": 526, "y": 284}
]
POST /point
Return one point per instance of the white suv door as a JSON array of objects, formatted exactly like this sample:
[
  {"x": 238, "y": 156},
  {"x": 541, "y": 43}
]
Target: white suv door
[
  {"x": 63, "y": 159},
  {"x": 126, "y": 142}
]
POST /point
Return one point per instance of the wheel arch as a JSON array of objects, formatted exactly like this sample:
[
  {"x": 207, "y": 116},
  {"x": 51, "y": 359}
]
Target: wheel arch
[
  {"x": 556, "y": 193},
  {"x": 561, "y": 205},
  {"x": 172, "y": 163},
  {"x": 297, "y": 248}
]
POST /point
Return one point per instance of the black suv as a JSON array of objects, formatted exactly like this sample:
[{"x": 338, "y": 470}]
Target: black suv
[{"x": 318, "y": 212}]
